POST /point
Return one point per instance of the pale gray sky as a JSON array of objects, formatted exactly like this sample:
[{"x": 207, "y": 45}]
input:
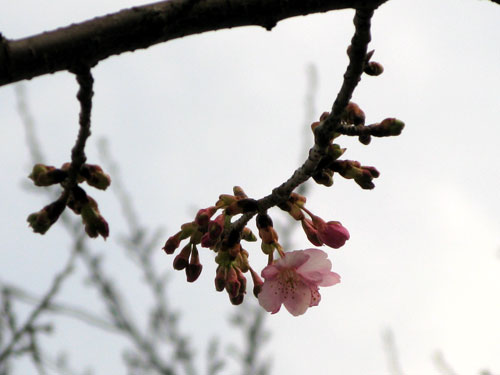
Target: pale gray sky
[{"x": 191, "y": 118}]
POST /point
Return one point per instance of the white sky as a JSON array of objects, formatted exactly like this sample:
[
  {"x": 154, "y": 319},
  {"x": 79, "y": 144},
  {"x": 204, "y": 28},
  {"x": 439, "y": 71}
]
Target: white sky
[{"x": 191, "y": 118}]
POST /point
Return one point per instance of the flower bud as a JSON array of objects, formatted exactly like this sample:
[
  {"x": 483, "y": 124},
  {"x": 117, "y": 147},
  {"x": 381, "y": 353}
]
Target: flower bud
[
  {"x": 225, "y": 200},
  {"x": 95, "y": 176},
  {"x": 172, "y": 243},
  {"x": 257, "y": 283},
  {"x": 95, "y": 224},
  {"x": 203, "y": 216},
  {"x": 373, "y": 68},
  {"x": 239, "y": 193},
  {"x": 232, "y": 283},
  {"x": 393, "y": 126},
  {"x": 238, "y": 300},
  {"x": 365, "y": 139},
  {"x": 182, "y": 259},
  {"x": 335, "y": 151},
  {"x": 248, "y": 235},
  {"x": 332, "y": 234},
  {"x": 220, "y": 278},
  {"x": 44, "y": 175},
  {"x": 42, "y": 220},
  {"x": 311, "y": 232},
  {"x": 323, "y": 177},
  {"x": 353, "y": 114},
  {"x": 193, "y": 269}
]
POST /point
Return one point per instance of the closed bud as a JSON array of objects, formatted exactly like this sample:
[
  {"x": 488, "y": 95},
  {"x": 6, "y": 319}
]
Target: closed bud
[
  {"x": 44, "y": 175},
  {"x": 182, "y": 259},
  {"x": 220, "y": 278},
  {"x": 365, "y": 139},
  {"x": 225, "y": 200},
  {"x": 239, "y": 193},
  {"x": 311, "y": 232},
  {"x": 323, "y": 177},
  {"x": 257, "y": 283},
  {"x": 238, "y": 300},
  {"x": 248, "y": 235},
  {"x": 353, "y": 114},
  {"x": 242, "y": 280},
  {"x": 203, "y": 216},
  {"x": 42, "y": 220},
  {"x": 194, "y": 268},
  {"x": 95, "y": 224},
  {"x": 172, "y": 243},
  {"x": 335, "y": 151},
  {"x": 95, "y": 176},
  {"x": 373, "y": 68},
  {"x": 208, "y": 241},
  {"x": 393, "y": 126},
  {"x": 268, "y": 235},
  {"x": 232, "y": 283},
  {"x": 263, "y": 221}
]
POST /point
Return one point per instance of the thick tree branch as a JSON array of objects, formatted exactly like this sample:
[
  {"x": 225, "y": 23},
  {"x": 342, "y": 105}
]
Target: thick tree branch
[{"x": 141, "y": 27}]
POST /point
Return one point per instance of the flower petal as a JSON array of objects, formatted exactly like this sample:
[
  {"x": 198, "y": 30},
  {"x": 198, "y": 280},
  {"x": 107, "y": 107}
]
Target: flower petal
[
  {"x": 269, "y": 297},
  {"x": 329, "y": 279},
  {"x": 298, "y": 300}
]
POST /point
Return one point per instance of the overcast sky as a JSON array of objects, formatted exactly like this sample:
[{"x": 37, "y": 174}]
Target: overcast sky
[{"x": 193, "y": 117}]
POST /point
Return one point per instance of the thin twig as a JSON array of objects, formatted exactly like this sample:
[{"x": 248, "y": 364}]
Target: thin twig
[
  {"x": 60, "y": 308},
  {"x": 392, "y": 353},
  {"x": 42, "y": 305}
]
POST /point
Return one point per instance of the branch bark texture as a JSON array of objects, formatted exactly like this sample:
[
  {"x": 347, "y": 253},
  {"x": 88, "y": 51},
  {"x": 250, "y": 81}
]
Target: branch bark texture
[{"x": 141, "y": 27}]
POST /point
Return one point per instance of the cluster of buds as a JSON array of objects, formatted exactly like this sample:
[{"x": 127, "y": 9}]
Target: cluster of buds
[
  {"x": 352, "y": 122},
  {"x": 293, "y": 279},
  {"x": 211, "y": 229},
  {"x": 73, "y": 197}
]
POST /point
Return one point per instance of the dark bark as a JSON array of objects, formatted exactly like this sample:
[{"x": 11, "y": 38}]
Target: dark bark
[{"x": 140, "y": 27}]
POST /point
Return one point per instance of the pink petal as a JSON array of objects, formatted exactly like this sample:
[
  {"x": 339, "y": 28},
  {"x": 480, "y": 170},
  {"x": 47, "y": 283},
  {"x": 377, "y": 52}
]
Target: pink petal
[
  {"x": 315, "y": 297},
  {"x": 298, "y": 300},
  {"x": 329, "y": 279},
  {"x": 269, "y": 297},
  {"x": 292, "y": 259},
  {"x": 270, "y": 272}
]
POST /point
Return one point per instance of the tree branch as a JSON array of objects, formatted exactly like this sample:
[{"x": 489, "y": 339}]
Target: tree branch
[{"x": 140, "y": 27}]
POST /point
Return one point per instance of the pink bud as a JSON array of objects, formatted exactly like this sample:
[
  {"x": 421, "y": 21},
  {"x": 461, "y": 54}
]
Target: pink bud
[
  {"x": 172, "y": 244},
  {"x": 203, "y": 216},
  {"x": 333, "y": 234},
  {"x": 311, "y": 232},
  {"x": 232, "y": 283},
  {"x": 220, "y": 278},
  {"x": 193, "y": 269},
  {"x": 181, "y": 260}
]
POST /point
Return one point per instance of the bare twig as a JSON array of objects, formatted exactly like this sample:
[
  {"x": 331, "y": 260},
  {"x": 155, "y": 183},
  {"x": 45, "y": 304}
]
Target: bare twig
[
  {"x": 391, "y": 350},
  {"x": 442, "y": 365},
  {"x": 59, "y": 308},
  {"x": 41, "y": 307}
]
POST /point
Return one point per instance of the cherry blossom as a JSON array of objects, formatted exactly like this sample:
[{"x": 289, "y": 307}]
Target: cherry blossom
[{"x": 294, "y": 281}]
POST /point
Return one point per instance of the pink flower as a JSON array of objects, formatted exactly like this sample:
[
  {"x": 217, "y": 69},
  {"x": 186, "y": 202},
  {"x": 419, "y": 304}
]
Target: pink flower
[
  {"x": 294, "y": 281},
  {"x": 332, "y": 234}
]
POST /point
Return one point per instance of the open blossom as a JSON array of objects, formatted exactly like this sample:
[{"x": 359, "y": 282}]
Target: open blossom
[{"x": 294, "y": 281}]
